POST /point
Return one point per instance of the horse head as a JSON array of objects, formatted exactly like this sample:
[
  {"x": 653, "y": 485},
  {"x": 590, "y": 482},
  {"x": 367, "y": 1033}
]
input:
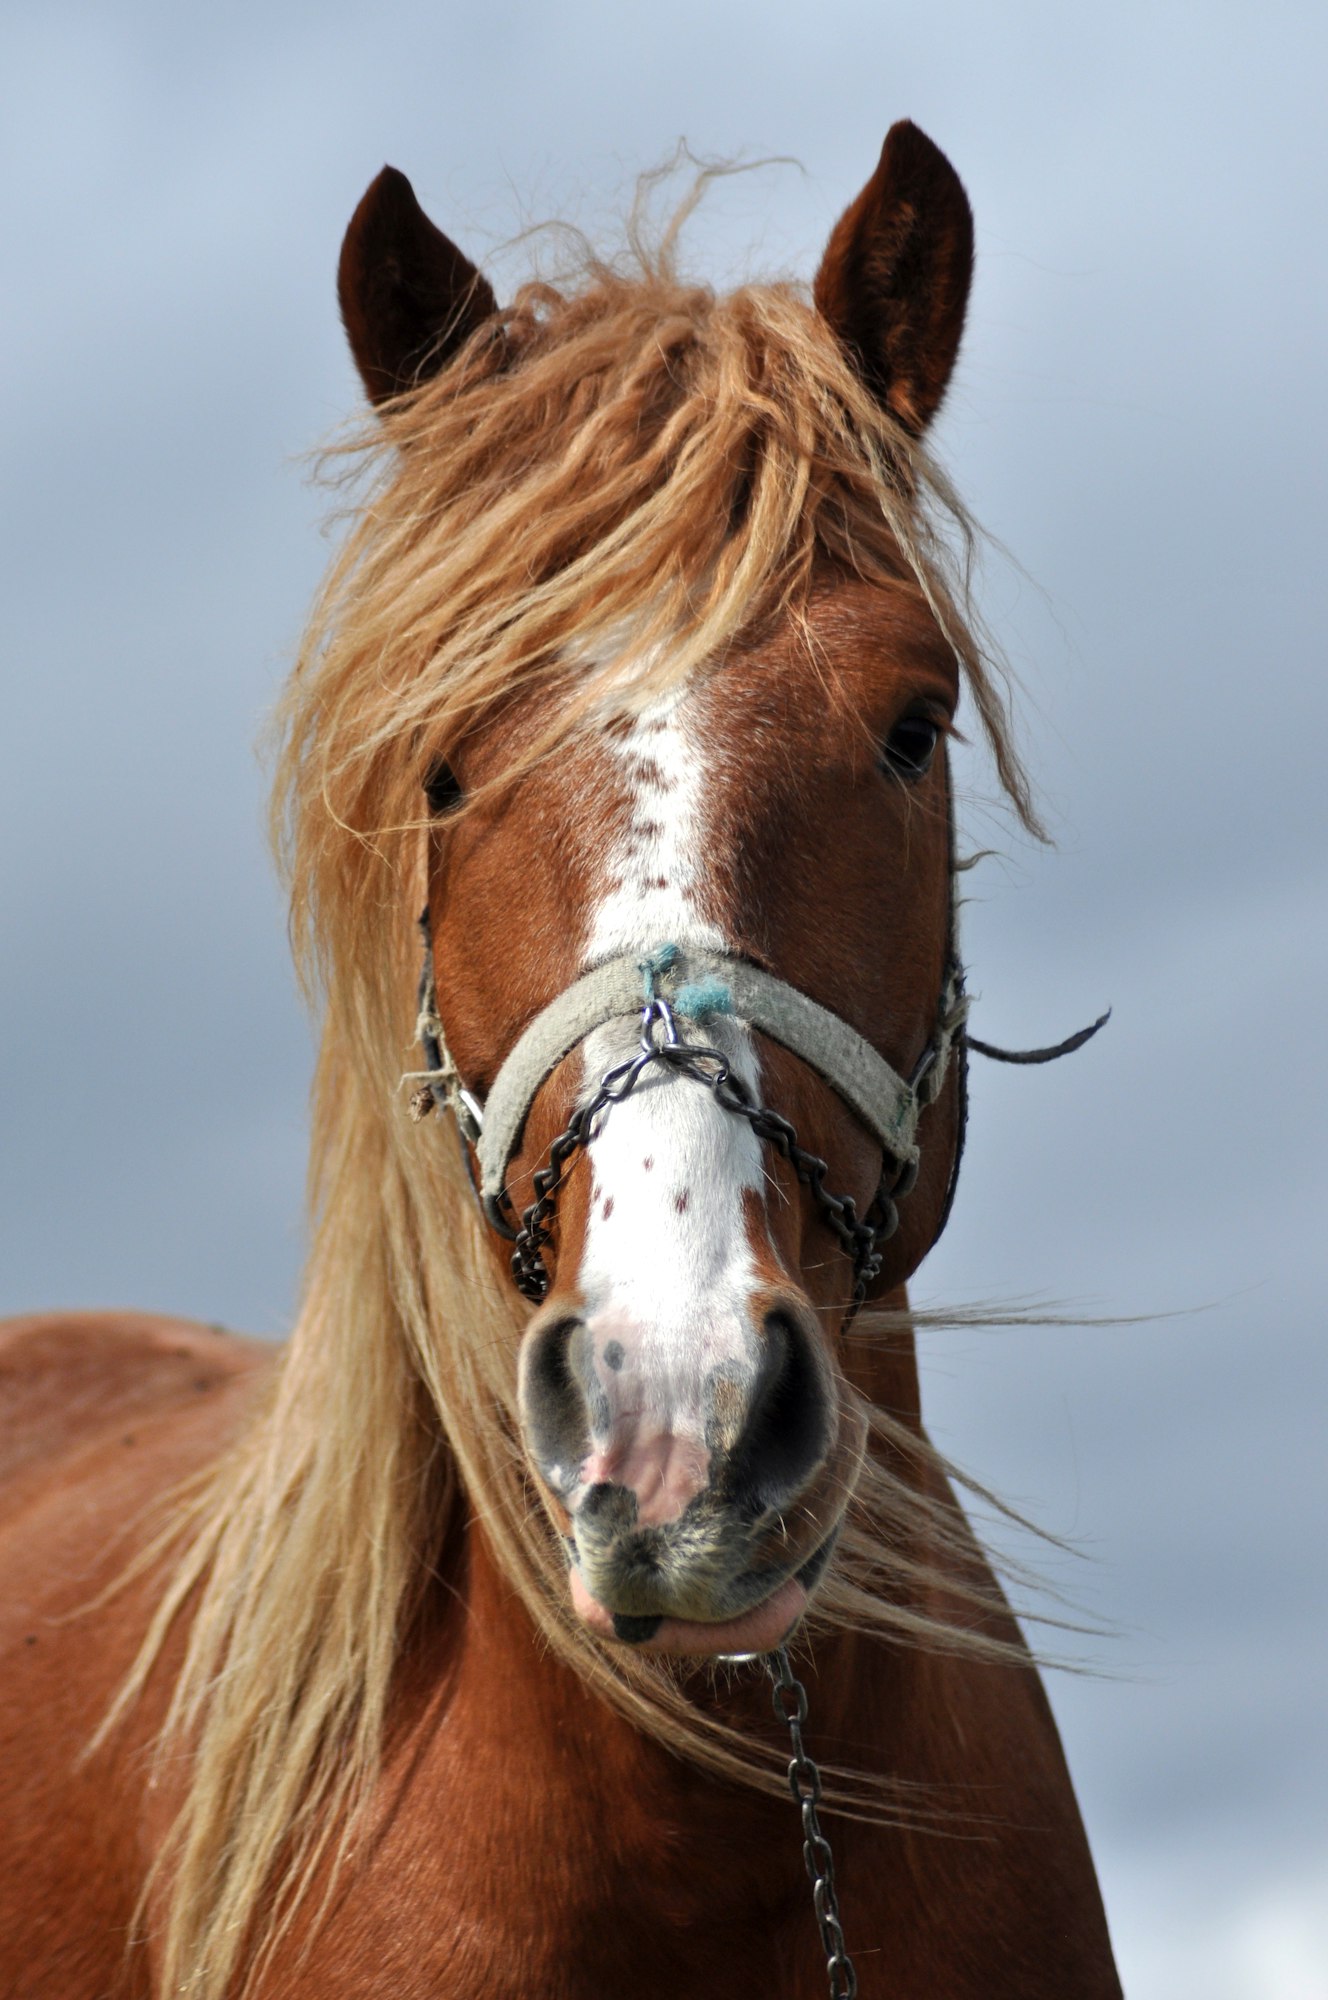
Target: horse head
[{"x": 690, "y": 907}]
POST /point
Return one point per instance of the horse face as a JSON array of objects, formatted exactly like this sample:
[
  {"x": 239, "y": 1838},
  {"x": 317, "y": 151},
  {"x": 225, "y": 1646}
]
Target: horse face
[
  {"x": 682, "y": 1394},
  {"x": 683, "y": 1400}
]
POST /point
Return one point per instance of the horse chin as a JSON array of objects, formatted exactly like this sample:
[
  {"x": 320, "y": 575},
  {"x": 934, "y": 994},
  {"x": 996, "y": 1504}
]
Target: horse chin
[{"x": 759, "y": 1630}]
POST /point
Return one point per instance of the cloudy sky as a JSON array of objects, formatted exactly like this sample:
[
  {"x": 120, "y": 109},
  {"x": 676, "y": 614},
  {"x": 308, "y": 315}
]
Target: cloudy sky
[{"x": 1138, "y": 418}]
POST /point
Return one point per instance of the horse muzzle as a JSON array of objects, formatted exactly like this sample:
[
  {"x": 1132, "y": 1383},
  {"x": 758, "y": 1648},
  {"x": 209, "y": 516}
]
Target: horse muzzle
[{"x": 699, "y": 1481}]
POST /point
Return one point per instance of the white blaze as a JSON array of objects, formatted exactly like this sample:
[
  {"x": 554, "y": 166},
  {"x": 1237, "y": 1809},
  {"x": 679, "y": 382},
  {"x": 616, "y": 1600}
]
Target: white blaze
[{"x": 667, "y": 1272}]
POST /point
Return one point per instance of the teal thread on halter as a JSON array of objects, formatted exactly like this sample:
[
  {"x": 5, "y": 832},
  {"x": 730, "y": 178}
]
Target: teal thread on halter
[
  {"x": 693, "y": 1001},
  {"x": 702, "y": 997},
  {"x": 655, "y": 967}
]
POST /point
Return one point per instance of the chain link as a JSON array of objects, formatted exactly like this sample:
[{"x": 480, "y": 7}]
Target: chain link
[
  {"x": 789, "y": 1698},
  {"x": 860, "y": 1237}
]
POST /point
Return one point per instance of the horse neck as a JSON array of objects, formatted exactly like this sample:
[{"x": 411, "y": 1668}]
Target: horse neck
[{"x": 542, "y": 1744}]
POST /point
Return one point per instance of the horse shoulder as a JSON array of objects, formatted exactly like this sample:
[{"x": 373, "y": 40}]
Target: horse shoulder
[
  {"x": 101, "y": 1417},
  {"x": 65, "y": 1378}
]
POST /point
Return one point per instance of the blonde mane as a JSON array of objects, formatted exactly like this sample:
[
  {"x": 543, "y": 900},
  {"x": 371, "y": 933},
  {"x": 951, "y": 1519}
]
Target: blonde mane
[{"x": 630, "y": 452}]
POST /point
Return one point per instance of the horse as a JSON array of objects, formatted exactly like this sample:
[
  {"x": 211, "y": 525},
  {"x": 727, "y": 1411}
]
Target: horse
[{"x": 435, "y": 1654}]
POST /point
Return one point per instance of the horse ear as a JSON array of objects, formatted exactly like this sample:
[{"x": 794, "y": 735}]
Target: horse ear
[
  {"x": 894, "y": 280},
  {"x": 409, "y": 298}
]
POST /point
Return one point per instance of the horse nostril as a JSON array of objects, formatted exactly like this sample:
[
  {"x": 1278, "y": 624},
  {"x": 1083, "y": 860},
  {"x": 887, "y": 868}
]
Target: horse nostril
[
  {"x": 553, "y": 1403},
  {"x": 788, "y": 1429}
]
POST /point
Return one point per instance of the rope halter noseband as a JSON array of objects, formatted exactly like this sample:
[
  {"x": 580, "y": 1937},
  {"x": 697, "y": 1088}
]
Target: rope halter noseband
[
  {"x": 674, "y": 984},
  {"x": 671, "y": 986}
]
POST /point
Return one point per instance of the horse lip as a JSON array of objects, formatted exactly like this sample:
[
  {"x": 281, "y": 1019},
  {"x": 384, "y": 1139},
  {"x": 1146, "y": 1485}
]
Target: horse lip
[
  {"x": 663, "y": 1628},
  {"x": 759, "y": 1629},
  {"x": 642, "y": 1577}
]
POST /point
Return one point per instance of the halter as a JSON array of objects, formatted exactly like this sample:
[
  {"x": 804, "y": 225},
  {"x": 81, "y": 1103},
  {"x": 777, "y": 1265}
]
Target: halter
[
  {"x": 672, "y": 985},
  {"x": 669, "y": 986}
]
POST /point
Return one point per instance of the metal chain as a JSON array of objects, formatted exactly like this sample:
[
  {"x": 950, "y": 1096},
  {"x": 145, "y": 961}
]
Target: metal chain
[
  {"x": 789, "y": 1698},
  {"x": 861, "y": 1238}
]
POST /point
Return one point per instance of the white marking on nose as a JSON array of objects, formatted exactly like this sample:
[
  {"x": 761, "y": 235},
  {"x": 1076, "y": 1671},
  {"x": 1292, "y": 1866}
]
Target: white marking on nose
[{"x": 667, "y": 1271}]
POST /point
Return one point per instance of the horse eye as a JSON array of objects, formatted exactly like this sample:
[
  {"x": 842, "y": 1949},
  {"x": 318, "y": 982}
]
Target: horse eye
[
  {"x": 442, "y": 789},
  {"x": 910, "y": 747}
]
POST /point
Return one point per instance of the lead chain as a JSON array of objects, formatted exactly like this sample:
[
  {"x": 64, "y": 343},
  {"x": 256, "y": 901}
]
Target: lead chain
[{"x": 789, "y": 1698}]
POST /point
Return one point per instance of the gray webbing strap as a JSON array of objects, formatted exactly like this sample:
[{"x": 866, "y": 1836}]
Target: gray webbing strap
[{"x": 885, "y": 1103}]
